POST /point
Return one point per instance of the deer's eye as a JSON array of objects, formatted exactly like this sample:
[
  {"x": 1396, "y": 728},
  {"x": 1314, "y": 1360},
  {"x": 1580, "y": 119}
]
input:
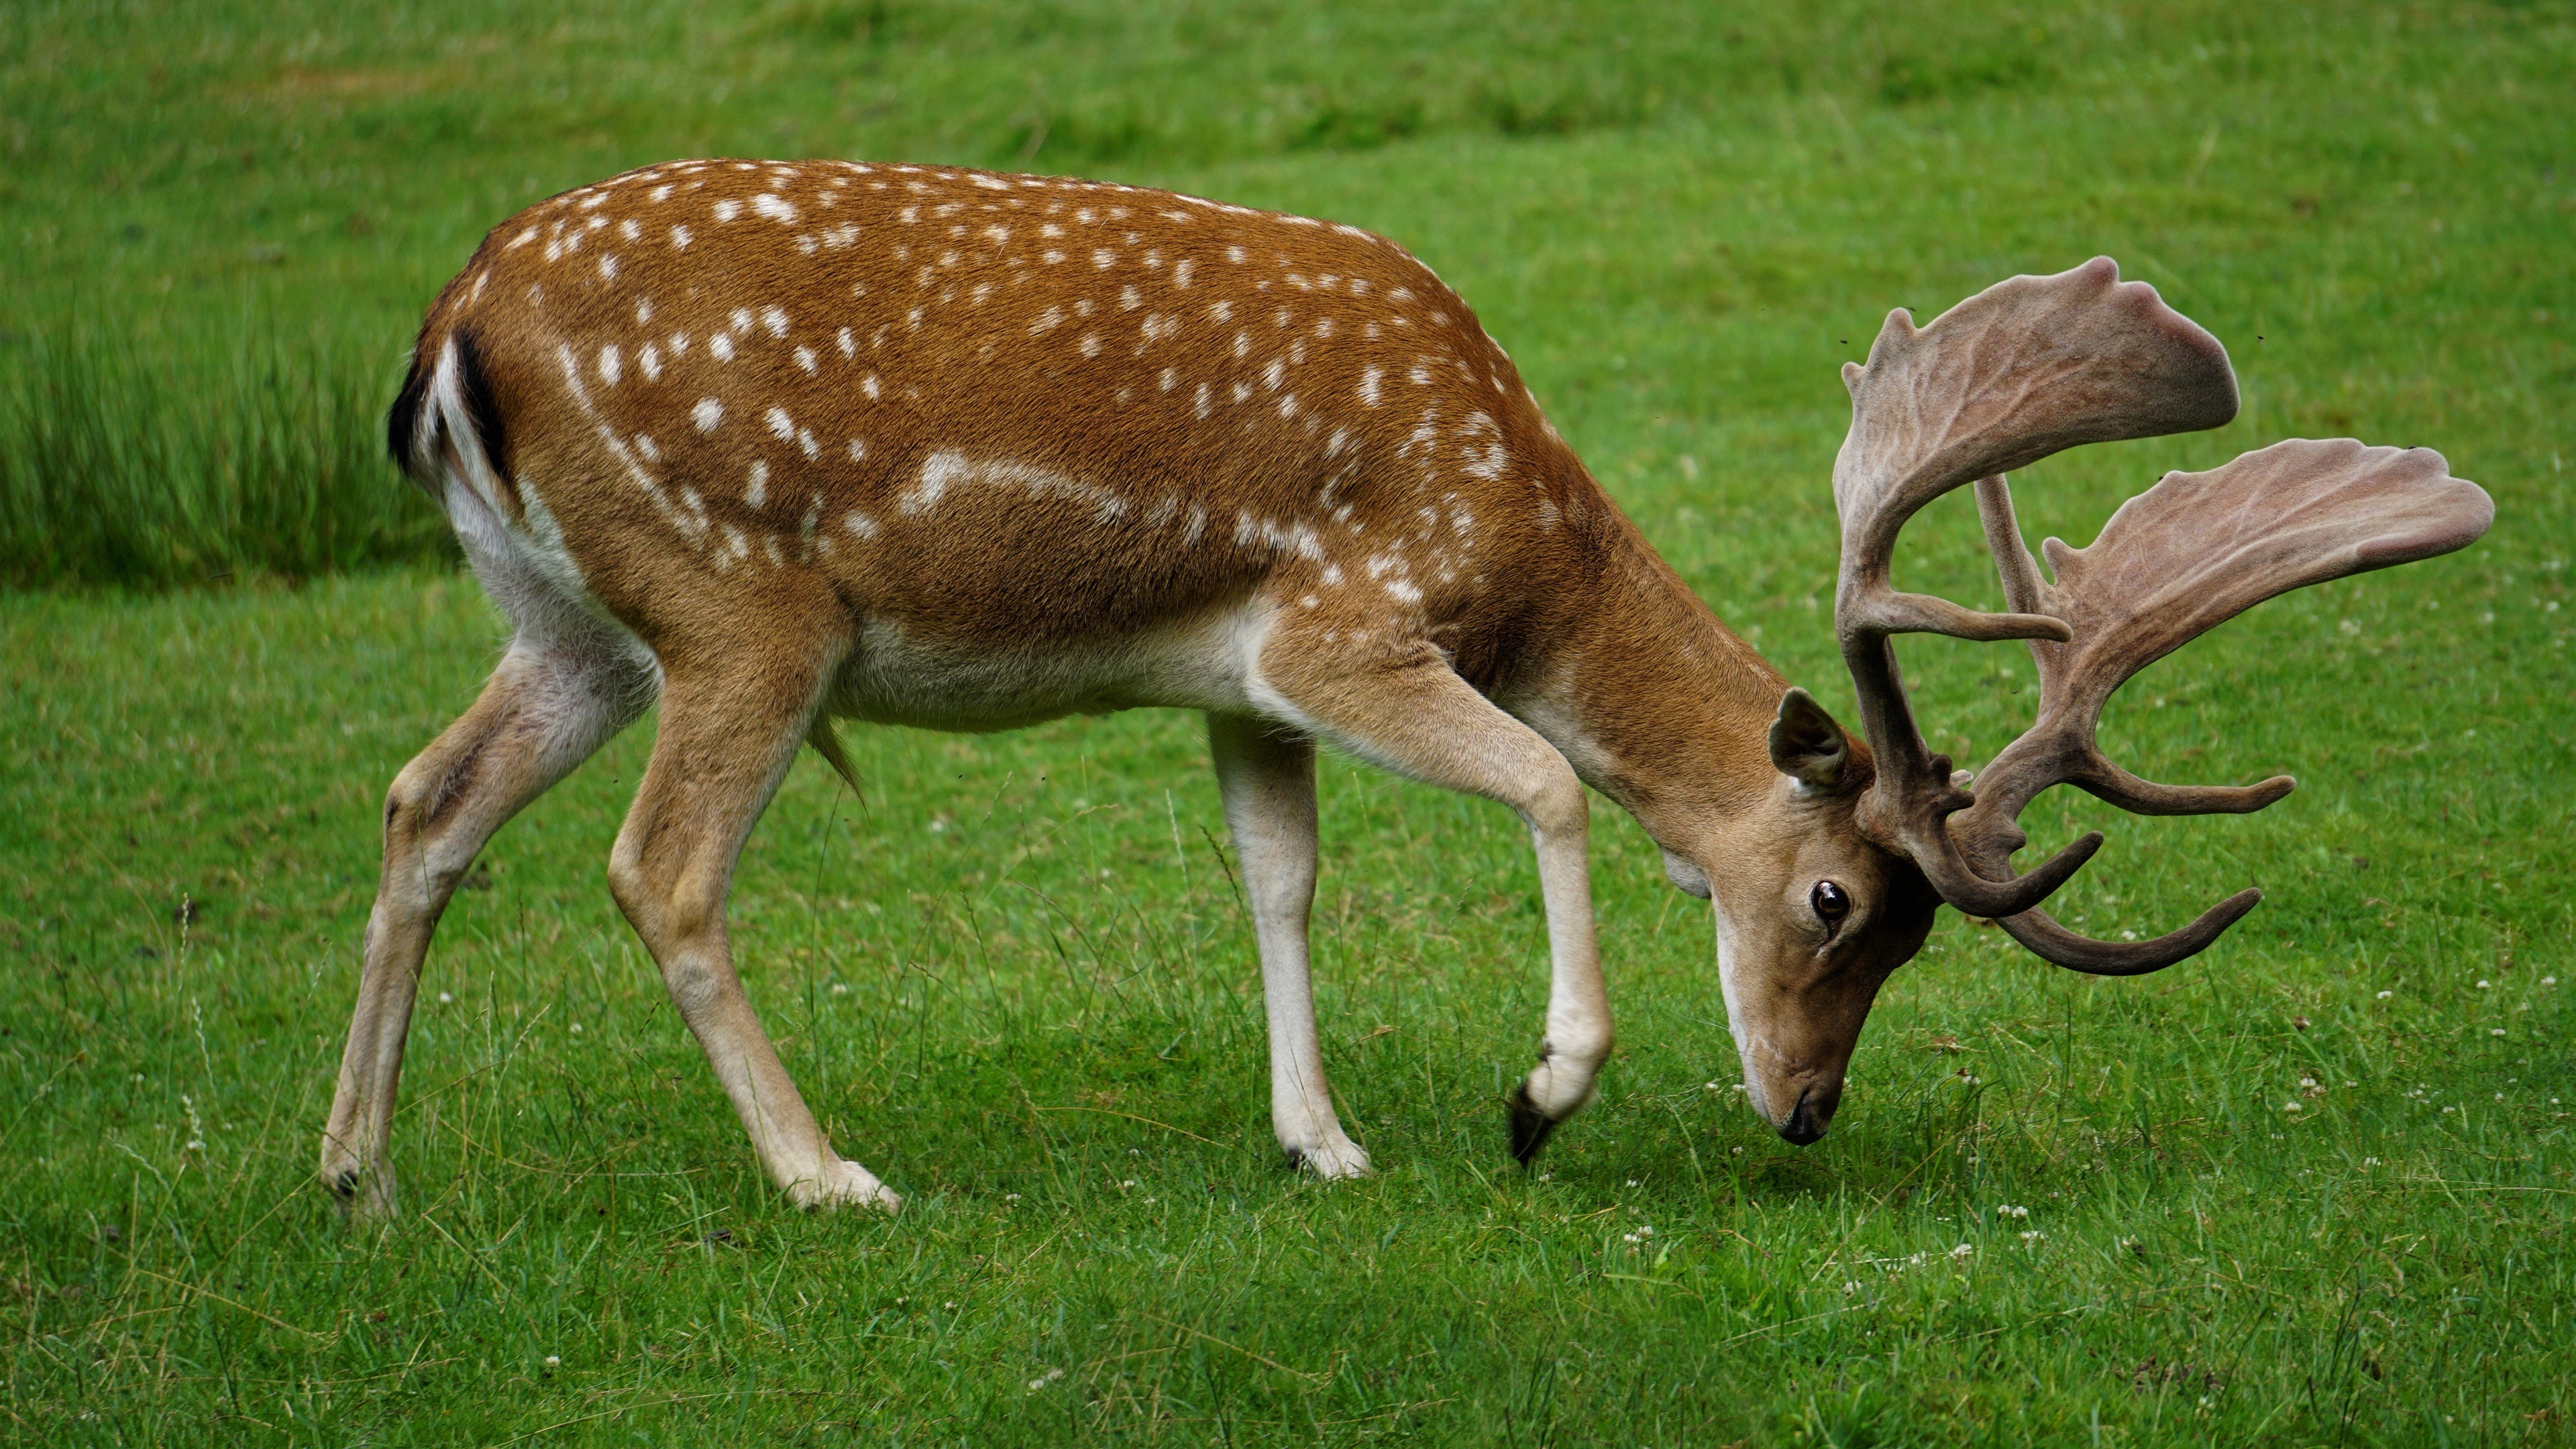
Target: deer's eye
[{"x": 1831, "y": 903}]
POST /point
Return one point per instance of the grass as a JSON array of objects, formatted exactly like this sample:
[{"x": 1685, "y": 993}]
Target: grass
[{"x": 1015, "y": 978}]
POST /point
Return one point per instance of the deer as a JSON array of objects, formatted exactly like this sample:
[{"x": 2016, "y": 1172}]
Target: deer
[{"x": 772, "y": 445}]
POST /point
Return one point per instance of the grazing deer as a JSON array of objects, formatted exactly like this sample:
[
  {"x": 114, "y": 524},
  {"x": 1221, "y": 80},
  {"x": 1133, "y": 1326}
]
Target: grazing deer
[{"x": 775, "y": 444}]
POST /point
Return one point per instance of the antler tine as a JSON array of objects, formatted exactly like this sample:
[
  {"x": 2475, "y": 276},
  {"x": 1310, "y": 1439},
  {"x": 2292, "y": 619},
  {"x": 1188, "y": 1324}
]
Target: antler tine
[
  {"x": 2023, "y": 369},
  {"x": 2174, "y": 562}
]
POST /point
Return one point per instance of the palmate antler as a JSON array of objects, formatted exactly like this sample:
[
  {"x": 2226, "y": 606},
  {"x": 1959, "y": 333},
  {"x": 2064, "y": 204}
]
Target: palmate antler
[{"x": 2024, "y": 369}]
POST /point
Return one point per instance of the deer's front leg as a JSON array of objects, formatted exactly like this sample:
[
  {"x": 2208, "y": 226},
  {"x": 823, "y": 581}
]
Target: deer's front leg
[
  {"x": 1401, "y": 706},
  {"x": 1267, "y": 779},
  {"x": 731, "y": 722},
  {"x": 545, "y": 710}
]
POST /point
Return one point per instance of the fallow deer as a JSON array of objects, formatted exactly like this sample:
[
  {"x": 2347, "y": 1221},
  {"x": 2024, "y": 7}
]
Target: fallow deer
[{"x": 775, "y": 444}]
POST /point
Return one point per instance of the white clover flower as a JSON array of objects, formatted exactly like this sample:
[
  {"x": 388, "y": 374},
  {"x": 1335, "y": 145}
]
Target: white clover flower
[
  {"x": 2483, "y": 985},
  {"x": 446, "y": 998},
  {"x": 576, "y": 1028},
  {"x": 2548, "y": 980},
  {"x": 1962, "y": 1252},
  {"x": 1850, "y": 1288},
  {"x": 554, "y": 1361},
  {"x": 2498, "y": 1031},
  {"x": 2291, "y": 1107},
  {"x": 2386, "y": 994},
  {"x": 2033, "y": 1236}
]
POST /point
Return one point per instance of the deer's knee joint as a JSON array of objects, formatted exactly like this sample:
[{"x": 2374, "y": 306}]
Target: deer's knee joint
[
  {"x": 677, "y": 912},
  {"x": 1557, "y": 806}
]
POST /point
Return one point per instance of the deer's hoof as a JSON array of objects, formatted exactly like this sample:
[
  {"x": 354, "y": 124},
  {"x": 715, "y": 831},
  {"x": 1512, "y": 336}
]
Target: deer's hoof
[
  {"x": 844, "y": 1184},
  {"x": 363, "y": 1194},
  {"x": 1333, "y": 1161},
  {"x": 1530, "y": 1126}
]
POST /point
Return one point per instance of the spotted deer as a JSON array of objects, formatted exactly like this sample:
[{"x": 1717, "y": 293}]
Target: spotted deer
[{"x": 776, "y": 444}]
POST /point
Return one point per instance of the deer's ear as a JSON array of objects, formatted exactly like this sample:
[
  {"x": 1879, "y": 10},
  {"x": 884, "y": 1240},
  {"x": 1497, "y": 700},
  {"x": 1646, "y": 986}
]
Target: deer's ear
[{"x": 1806, "y": 744}]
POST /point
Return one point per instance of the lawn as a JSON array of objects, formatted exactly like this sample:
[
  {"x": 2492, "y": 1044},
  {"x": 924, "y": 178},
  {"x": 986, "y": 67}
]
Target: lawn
[{"x": 2314, "y": 1187}]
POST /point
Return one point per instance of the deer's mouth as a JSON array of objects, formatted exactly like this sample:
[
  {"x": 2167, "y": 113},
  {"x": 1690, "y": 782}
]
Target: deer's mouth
[{"x": 1808, "y": 1119}]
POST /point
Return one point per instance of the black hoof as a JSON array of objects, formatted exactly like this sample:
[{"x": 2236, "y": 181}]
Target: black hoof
[
  {"x": 345, "y": 1183},
  {"x": 1529, "y": 1126}
]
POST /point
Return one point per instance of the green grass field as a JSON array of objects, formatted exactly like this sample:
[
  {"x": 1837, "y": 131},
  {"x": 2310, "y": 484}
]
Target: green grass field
[{"x": 1016, "y": 979}]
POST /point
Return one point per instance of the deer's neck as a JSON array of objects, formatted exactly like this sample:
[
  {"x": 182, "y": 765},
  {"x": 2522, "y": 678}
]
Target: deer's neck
[{"x": 1655, "y": 703}]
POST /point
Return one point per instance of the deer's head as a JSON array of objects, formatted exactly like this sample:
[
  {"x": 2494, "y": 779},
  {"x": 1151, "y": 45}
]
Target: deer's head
[{"x": 1831, "y": 883}]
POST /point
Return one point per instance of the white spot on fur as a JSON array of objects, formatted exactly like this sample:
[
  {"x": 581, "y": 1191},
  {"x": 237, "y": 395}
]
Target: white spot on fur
[
  {"x": 1368, "y": 385},
  {"x": 776, "y": 208},
  {"x": 707, "y": 414},
  {"x": 758, "y": 493},
  {"x": 781, "y": 426},
  {"x": 728, "y": 209},
  {"x": 721, "y": 344},
  {"x": 609, "y": 366}
]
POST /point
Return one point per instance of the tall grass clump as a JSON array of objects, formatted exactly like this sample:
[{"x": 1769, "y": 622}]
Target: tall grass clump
[{"x": 138, "y": 462}]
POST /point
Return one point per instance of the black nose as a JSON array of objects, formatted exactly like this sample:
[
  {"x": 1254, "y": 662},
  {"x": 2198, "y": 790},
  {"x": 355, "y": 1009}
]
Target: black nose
[{"x": 1805, "y": 1124}]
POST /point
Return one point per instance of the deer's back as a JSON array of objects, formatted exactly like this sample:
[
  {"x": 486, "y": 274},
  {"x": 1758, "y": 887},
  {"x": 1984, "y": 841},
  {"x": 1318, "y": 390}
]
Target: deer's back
[{"x": 996, "y": 417}]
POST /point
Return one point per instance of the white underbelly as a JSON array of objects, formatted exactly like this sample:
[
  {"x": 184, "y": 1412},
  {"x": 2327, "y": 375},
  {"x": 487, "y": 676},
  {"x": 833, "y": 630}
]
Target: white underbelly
[{"x": 1208, "y": 663}]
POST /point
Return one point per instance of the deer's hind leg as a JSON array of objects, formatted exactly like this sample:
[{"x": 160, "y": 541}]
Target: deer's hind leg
[
  {"x": 545, "y": 710},
  {"x": 732, "y": 718}
]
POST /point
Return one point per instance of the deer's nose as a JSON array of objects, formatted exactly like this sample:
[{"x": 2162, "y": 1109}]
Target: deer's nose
[{"x": 1806, "y": 1121}]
